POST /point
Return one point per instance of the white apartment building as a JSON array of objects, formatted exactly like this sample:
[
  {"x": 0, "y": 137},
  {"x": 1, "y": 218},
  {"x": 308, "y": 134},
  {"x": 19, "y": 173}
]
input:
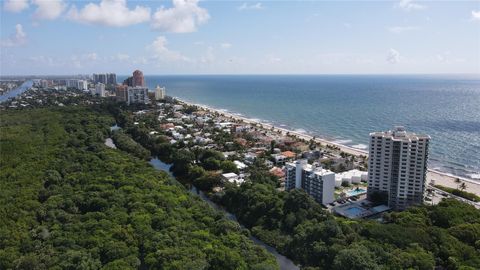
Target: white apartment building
[
  {"x": 72, "y": 84},
  {"x": 78, "y": 84},
  {"x": 137, "y": 94},
  {"x": 100, "y": 89},
  {"x": 397, "y": 167},
  {"x": 82, "y": 85},
  {"x": 316, "y": 181},
  {"x": 44, "y": 83},
  {"x": 159, "y": 93}
]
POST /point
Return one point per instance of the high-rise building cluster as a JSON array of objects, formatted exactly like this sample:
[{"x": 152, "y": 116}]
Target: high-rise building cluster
[
  {"x": 105, "y": 78},
  {"x": 397, "y": 167},
  {"x": 133, "y": 90},
  {"x": 396, "y": 175}
]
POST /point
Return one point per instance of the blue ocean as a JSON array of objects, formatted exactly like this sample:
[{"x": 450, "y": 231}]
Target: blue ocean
[{"x": 346, "y": 108}]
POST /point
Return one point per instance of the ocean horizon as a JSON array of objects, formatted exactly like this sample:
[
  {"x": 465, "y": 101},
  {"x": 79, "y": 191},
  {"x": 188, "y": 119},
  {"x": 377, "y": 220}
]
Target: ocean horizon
[{"x": 346, "y": 108}]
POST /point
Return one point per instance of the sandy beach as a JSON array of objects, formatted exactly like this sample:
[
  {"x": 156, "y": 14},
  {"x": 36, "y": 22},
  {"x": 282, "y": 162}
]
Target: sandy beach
[{"x": 439, "y": 178}]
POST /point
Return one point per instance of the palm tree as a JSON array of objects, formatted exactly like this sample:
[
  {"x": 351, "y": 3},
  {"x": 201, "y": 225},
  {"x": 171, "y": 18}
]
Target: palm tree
[
  {"x": 458, "y": 181},
  {"x": 462, "y": 186}
]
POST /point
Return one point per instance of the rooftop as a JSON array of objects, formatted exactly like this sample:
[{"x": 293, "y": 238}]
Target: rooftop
[
  {"x": 289, "y": 154},
  {"x": 399, "y": 133}
]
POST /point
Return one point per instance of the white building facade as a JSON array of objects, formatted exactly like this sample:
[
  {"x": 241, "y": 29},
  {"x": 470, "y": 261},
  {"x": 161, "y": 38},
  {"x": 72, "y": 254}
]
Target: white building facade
[
  {"x": 137, "y": 95},
  {"x": 82, "y": 85},
  {"x": 316, "y": 181},
  {"x": 397, "y": 167},
  {"x": 159, "y": 93},
  {"x": 100, "y": 89}
]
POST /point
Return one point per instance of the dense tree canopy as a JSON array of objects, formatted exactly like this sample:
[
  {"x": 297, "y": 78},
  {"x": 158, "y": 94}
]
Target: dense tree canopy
[{"x": 69, "y": 202}]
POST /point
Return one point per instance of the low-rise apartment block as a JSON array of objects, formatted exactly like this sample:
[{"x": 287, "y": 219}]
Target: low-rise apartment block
[{"x": 316, "y": 181}]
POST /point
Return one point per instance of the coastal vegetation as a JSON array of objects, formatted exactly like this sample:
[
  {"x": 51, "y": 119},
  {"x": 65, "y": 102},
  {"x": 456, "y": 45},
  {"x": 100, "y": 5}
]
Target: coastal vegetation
[
  {"x": 70, "y": 202},
  {"x": 460, "y": 193}
]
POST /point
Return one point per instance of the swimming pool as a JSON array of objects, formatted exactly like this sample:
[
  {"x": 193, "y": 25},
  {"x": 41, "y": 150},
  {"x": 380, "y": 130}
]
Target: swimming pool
[
  {"x": 353, "y": 211},
  {"x": 355, "y": 192}
]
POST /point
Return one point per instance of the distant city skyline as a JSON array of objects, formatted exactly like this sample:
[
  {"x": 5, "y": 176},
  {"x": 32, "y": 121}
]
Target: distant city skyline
[{"x": 241, "y": 37}]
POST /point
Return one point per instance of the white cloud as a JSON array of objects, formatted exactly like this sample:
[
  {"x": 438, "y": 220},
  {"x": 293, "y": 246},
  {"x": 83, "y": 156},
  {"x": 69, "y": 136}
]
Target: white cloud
[
  {"x": 78, "y": 61},
  {"x": 19, "y": 34},
  {"x": 246, "y": 6},
  {"x": 44, "y": 60},
  {"x": 336, "y": 58},
  {"x": 226, "y": 45},
  {"x": 272, "y": 59},
  {"x": 17, "y": 39},
  {"x": 91, "y": 56},
  {"x": 139, "y": 60},
  {"x": 401, "y": 29},
  {"x": 393, "y": 56},
  {"x": 183, "y": 17},
  {"x": 448, "y": 58},
  {"x": 122, "y": 57},
  {"x": 48, "y": 9},
  {"x": 476, "y": 15},
  {"x": 409, "y": 5},
  {"x": 440, "y": 58},
  {"x": 161, "y": 52},
  {"x": 110, "y": 13},
  {"x": 15, "y": 5}
]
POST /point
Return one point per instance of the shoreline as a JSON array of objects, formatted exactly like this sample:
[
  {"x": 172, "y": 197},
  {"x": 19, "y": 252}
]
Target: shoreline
[{"x": 439, "y": 178}]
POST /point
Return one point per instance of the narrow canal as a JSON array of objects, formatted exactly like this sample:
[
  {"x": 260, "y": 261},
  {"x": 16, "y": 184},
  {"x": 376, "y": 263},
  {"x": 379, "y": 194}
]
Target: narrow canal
[
  {"x": 17, "y": 91},
  {"x": 283, "y": 262}
]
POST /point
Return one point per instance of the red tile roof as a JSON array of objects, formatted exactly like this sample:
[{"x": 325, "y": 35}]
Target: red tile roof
[{"x": 289, "y": 154}]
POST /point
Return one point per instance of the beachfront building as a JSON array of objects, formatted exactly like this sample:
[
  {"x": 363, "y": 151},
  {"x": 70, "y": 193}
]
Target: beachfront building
[
  {"x": 397, "y": 167},
  {"x": 350, "y": 177},
  {"x": 138, "y": 79},
  {"x": 159, "y": 93},
  {"x": 137, "y": 95},
  {"x": 316, "y": 181}
]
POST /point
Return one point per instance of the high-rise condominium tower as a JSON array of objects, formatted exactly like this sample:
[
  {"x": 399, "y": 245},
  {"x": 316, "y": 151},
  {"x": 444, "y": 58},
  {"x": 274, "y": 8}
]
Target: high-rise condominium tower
[
  {"x": 138, "y": 79},
  {"x": 397, "y": 167}
]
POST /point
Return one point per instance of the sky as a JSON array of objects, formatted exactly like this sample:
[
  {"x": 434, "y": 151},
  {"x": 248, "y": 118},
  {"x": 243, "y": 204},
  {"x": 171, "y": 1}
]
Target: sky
[{"x": 59, "y": 37}]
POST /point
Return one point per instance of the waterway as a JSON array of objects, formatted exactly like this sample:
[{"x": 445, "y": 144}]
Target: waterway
[
  {"x": 114, "y": 127},
  {"x": 283, "y": 262},
  {"x": 17, "y": 91}
]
